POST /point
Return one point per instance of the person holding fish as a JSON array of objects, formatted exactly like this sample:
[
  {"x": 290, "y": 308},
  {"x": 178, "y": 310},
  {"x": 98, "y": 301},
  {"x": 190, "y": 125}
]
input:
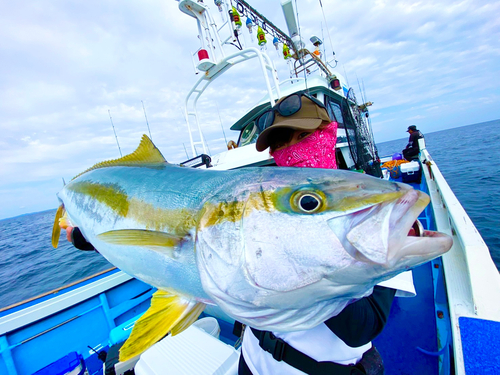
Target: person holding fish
[
  {"x": 299, "y": 133},
  {"x": 315, "y": 297}
]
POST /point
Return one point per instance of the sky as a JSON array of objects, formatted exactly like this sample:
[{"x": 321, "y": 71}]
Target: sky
[{"x": 66, "y": 66}]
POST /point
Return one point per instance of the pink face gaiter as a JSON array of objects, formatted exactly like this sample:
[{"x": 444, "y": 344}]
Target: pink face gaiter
[{"x": 315, "y": 151}]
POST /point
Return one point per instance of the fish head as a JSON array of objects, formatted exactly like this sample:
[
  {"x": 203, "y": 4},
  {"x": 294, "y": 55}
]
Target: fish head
[{"x": 295, "y": 239}]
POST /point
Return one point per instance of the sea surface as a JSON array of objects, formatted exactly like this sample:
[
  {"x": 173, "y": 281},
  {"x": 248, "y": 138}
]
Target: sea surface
[{"x": 467, "y": 156}]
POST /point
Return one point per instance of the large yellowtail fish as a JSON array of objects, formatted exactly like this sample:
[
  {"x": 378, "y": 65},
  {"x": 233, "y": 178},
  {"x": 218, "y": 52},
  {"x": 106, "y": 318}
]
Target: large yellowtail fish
[{"x": 276, "y": 248}]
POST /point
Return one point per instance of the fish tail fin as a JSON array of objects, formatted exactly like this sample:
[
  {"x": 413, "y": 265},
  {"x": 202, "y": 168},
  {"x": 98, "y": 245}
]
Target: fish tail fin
[
  {"x": 168, "y": 313},
  {"x": 56, "y": 229}
]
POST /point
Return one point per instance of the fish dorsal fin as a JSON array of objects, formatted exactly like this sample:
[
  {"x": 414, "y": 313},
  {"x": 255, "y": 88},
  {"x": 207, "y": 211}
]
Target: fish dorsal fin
[
  {"x": 168, "y": 313},
  {"x": 145, "y": 154}
]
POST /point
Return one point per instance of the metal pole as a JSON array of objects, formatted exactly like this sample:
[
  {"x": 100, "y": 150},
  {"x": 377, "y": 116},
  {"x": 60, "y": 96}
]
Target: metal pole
[
  {"x": 147, "y": 123},
  {"x": 119, "y": 149}
]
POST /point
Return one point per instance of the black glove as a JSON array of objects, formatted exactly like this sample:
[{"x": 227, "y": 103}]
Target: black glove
[{"x": 79, "y": 241}]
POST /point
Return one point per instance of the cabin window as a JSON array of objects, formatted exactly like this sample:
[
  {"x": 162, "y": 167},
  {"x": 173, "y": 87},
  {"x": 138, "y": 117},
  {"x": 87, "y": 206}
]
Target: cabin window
[
  {"x": 248, "y": 135},
  {"x": 335, "y": 112}
]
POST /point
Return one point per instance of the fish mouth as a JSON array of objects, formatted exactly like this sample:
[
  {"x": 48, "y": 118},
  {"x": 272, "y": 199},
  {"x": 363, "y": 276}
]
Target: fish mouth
[{"x": 389, "y": 231}]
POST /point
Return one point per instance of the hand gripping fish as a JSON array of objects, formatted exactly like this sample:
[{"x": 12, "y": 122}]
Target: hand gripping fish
[{"x": 279, "y": 249}]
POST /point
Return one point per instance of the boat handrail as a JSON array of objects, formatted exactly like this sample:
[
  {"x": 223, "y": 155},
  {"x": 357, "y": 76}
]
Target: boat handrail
[
  {"x": 56, "y": 290},
  {"x": 483, "y": 274},
  {"x": 41, "y": 310},
  {"x": 227, "y": 62}
]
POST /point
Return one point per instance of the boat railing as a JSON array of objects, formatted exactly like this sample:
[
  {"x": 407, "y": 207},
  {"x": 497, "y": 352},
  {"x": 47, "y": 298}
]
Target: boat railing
[
  {"x": 38, "y": 311},
  {"x": 56, "y": 290},
  {"x": 472, "y": 279},
  {"x": 481, "y": 268},
  {"x": 267, "y": 67}
]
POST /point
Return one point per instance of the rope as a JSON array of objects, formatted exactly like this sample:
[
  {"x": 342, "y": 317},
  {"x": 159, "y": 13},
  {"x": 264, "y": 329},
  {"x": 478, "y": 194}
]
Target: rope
[{"x": 391, "y": 164}]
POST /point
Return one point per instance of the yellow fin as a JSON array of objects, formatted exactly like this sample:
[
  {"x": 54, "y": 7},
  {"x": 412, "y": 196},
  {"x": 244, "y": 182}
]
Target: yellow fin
[
  {"x": 168, "y": 312},
  {"x": 145, "y": 154},
  {"x": 56, "y": 229},
  {"x": 140, "y": 237},
  {"x": 189, "y": 319}
]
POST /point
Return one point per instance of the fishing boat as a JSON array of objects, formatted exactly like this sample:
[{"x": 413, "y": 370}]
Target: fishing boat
[{"x": 452, "y": 325}]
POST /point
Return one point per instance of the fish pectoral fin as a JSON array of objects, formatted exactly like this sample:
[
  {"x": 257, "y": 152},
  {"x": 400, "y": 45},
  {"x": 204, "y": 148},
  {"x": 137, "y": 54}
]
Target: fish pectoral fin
[
  {"x": 56, "y": 229},
  {"x": 140, "y": 237},
  {"x": 169, "y": 313}
]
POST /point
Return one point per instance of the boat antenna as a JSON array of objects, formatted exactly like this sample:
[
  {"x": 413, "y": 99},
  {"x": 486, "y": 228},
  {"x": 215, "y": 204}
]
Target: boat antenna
[
  {"x": 300, "y": 38},
  {"x": 185, "y": 150},
  {"x": 147, "y": 123},
  {"x": 329, "y": 37},
  {"x": 119, "y": 149},
  {"x": 220, "y": 120},
  {"x": 345, "y": 73},
  {"x": 361, "y": 91},
  {"x": 323, "y": 38},
  {"x": 363, "y": 86},
  {"x": 208, "y": 147}
]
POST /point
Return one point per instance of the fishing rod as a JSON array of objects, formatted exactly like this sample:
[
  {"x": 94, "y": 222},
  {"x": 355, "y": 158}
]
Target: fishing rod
[
  {"x": 185, "y": 150},
  {"x": 220, "y": 120},
  {"x": 114, "y": 131},
  {"x": 147, "y": 123}
]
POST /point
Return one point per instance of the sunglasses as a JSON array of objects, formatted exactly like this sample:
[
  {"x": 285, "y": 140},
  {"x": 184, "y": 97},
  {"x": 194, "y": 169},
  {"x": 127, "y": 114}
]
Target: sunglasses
[{"x": 287, "y": 107}]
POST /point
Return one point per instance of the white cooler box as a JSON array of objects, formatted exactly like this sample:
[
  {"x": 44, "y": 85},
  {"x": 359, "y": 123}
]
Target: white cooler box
[
  {"x": 193, "y": 351},
  {"x": 410, "y": 172}
]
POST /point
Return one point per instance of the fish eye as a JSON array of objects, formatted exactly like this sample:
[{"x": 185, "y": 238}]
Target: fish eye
[{"x": 307, "y": 202}]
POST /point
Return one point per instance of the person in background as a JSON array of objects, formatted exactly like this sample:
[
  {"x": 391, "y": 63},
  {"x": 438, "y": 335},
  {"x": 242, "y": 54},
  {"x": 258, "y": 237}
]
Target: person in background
[
  {"x": 412, "y": 149},
  {"x": 300, "y": 133}
]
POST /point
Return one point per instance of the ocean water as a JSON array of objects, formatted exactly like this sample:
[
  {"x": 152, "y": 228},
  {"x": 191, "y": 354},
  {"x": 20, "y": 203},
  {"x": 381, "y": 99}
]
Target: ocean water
[
  {"x": 30, "y": 266},
  {"x": 467, "y": 156},
  {"x": 469, "y": 159}
]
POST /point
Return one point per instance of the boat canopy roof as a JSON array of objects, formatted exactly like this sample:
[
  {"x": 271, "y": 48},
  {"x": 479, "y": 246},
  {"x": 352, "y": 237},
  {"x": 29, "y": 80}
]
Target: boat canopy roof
[{"x": 315, "y": 84}]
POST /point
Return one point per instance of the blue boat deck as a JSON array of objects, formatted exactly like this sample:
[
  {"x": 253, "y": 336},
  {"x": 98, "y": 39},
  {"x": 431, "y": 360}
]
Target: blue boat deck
[
  {"x": 76, "y": 328},
  {"x": 416, "y": 339}
]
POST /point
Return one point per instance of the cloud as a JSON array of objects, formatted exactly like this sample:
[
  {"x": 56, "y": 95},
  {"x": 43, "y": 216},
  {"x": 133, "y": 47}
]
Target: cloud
[{"x": 66, "y": 64}]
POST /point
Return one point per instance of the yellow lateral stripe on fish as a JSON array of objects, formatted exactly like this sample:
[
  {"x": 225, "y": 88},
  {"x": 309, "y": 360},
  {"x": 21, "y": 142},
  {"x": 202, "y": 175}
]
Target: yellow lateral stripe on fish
[
  {"x": 180, "y": 221},
  {"x": 56, "y": 229},
  {"x": 146, "y": 153},
  {"x": 214, "y": 214},
  {"x": 154, "y": 218},
  {"x": 354, "y": 202},
  {"x": 166, "y": 312},
  {"x": 109, "y": 194}
]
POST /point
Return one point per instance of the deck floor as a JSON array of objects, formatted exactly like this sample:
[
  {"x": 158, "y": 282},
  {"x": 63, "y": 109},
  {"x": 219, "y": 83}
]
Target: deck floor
[
  {"x": 412, "y": 321},
  {"x": 411, "y": 324}
]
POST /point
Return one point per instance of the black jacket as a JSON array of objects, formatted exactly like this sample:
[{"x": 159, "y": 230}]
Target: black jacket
[
  {"x": 413, "y": 140},
  {"x": 362, "y": 321}
]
